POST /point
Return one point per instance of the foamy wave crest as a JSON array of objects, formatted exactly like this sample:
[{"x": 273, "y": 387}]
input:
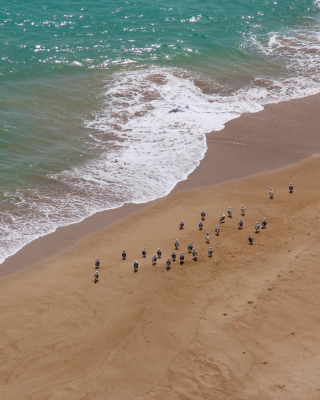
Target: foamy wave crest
[
  {"x": 297, "y": 52},
  {"x": 149, "y": 135}
]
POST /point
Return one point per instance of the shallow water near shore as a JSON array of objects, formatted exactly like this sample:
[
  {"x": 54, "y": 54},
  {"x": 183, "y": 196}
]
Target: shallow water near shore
[{"x": 109, "y": 104}]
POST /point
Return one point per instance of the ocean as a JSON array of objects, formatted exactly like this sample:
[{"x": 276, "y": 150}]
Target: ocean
[{"x": 106, "y": 103}]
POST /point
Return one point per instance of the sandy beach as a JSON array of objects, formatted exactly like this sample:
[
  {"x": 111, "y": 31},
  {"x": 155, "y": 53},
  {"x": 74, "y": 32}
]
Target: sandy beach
[{"x": 242, "y": 324}]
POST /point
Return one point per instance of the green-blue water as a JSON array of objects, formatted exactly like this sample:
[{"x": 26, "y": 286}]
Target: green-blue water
[{"x": 87, "y": 89}]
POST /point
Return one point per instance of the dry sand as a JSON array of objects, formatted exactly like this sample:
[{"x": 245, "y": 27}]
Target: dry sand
[{"x": 241, "y": 325}]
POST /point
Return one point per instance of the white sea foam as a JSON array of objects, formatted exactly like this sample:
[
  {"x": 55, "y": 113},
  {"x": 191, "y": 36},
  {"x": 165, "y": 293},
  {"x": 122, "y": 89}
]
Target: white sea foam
[
  {"x": 149, "y": 135},
  {"x": 297, "y": 51},
  {"x": 316, "y": 3}
]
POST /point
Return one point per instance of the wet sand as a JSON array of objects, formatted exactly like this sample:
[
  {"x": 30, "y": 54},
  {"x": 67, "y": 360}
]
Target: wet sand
[{"x": 242, "y": 324}]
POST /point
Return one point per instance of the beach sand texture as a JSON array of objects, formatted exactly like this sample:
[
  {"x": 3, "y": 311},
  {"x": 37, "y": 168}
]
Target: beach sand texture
[{"x": 243, "y": 324}]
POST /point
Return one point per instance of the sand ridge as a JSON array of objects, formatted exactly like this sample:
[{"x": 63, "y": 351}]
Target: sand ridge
[{"x": 242, "y": 325}]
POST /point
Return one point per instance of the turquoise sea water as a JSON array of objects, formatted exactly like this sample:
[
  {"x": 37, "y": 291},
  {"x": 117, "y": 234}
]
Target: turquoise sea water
[{"x": 109, "y": 102}]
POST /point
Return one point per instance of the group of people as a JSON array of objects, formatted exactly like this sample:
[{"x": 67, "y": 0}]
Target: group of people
[{"x": 191, "y": 249}]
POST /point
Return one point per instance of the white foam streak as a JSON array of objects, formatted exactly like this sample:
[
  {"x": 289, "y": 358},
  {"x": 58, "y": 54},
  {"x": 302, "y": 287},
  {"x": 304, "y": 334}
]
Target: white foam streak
[
  {"x": 297, "y": 50},
  {"x": 316, "y": 3}
]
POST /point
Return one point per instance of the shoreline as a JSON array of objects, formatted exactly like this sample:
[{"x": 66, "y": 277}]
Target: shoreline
[
  {"x": 251, "y": 144},
  {"x": 239, "y": 324}
]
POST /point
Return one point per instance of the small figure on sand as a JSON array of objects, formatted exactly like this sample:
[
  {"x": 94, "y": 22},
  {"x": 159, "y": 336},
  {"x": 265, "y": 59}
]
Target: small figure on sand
[
  {"x": 271, "y": 193},
  {"x": 290, "y": 188},
  {"x": 203, "y": 215},
  {"x": 135, "y": 266},
  {"x": 181, "y": 226},
  {"x": 195, "y": 254},
  {"x": 176, "y": 244},
  {"x": 97, "y": 263},
  {"x": 181, "y": 258},
  {"x": 96, "y": 277},
  {"x": 168, "y": 264},
  {"x": 210, "y": 252},
  {"x": 154, "y": 259},
  {"x": 159, "y": 252},
  {"x": 190, "y": 247},
  {"x": 217, "y": 230},
  {"x": 240, "y": 224},
  {"x": 243, "y": 210},
  {"x": 124, "y": 254},
  {"x": 229, "y": 212},
  {"x": 264, "y": 223},
  {"x": 207, "y": 237},
  {"x": 257, "y": 227},
  {"x": 200, "y": 225},
  {"x": 222, "y": 218},
  {"x": 144, "y": 252},
  {"x": 250, "y": 239},
  {"x": 173, "y": 255}
]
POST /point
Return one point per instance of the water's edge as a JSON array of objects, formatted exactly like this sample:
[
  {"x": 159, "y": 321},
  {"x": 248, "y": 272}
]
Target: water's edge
[{"x": 65, "y": 237}]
